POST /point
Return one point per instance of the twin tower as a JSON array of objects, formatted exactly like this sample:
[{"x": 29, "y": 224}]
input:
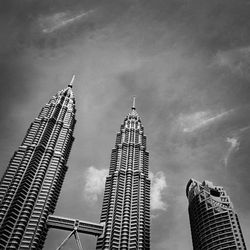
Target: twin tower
[{"x": 31, "y": 184}]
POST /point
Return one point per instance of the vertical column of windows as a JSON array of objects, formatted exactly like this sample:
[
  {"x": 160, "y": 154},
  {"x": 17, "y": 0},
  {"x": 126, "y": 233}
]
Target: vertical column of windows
[
  {"x": 57, "y": 170},
  {"x": 67, "y": 118},
  {"x": 62, "y": 113},
  {"x": 138, "y": 125},
  {"x": 144, "y": 140},
  {"x": 118, "y": 138},
  {"x": 126, "y": 135},
  {"x": 146, "y": 235},
  {"x": 66, "y": 102},
  {"x": 47, "y": 132},
  {"x": 71, "y": 121},
  {"x": 122, "y": 134},
  {"x": 132, "y": 136},
  {"x": 61, "y": 139},
  {"x": 134, "y": 213},
  {"x": 71, "y": 105},
  {"x": 117, "y": 216},
  {"x": 141, "y": 213},
  {"x": 130, "y": 158},
  {"x": 113, "y": 161},
  {"x": 54, "y": 136},
  {"x": 126, "y": 211},
  {"x": 239, "y": 236},
  {"x": 124, "y": 157},
  {"x": 51, "y": 110},
  {"x": 71, "y": 108},
  {"x": 69, "y": 146},
  {"x": 128, "y": 124},
  {"x": 136, "y": 158},
  {"x": 140, "y": 137},
  {"x": 137, "y": 136},
  {"x": 57, "y": 111},
  {"x": 62, "y": 98},
  {"x": 106, "y": 198},
  {"x": 40, "y": 131},
  {"x": 119, "y": 155},
  {"x": 105, "y": 208},
  {"x": 129, "y": 135},
  {"x": 145, "y": 163},
  {"x": 66, "y": 145},
  {"x": 141, "y": 160},
  {"x": 111, "y": 211}
]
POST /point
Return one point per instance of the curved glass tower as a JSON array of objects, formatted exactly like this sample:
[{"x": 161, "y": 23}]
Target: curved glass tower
[
  {"x": 31, "y": 184},
  {"x": 126, "y": 203},
  {"x": 214, "y": 223}
]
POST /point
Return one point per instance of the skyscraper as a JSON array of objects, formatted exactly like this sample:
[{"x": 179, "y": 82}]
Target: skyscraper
[
  {"x": 31, "y": 184},
  {"x": 213, "y": 220},
  {"x": 126, "y": 203}
]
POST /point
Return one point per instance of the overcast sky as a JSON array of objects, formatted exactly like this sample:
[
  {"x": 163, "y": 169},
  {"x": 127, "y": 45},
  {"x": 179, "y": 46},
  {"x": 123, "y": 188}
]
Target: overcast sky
[{"x": 188, "y": 63}]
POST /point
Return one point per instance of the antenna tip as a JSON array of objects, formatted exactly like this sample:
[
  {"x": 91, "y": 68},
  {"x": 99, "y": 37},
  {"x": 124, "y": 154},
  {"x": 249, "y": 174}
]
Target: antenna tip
[
  {"x": 133, "y": 107},
  {"x": 72, "y": 80}
]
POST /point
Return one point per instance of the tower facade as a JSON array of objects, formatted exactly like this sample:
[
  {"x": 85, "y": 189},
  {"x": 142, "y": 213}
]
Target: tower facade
[
  {"x": 30, "y": 186},
  {"x": 213, "y": 220},
  {"x": 126, "y": 203}
]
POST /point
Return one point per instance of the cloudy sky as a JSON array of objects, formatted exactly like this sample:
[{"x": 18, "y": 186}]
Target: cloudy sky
[{"x": 188, "y": 63}]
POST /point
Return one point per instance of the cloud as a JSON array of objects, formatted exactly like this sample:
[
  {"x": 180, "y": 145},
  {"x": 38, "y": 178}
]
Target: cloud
[
  {"x": 95, "y": 182},
  {"x": 244, "y": 129},
  {"x": 236, "y": 60},
  {"x": 158, "y": 186},
  {"x": 234, "y": 142},
  {"x": 234, "y": 146},
  {"x": 60, "y": 20},
  {"x": 192, "y": 122}
]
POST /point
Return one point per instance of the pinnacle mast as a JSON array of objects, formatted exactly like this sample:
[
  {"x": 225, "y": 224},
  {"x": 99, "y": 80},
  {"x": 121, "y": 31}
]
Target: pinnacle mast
[
  {"x": 134, "y": 97},
  {"x": 72, "y": 80}
]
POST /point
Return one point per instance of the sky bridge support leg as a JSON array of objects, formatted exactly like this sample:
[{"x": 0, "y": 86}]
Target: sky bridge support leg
[
  {"x": 78, "y": 241},
  {"x": 65, "y": 240},
  {"x": 75, "y": 227}
]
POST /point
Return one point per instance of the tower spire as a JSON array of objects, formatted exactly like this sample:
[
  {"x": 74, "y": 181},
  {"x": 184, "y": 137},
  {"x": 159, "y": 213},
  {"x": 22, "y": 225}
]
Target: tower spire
[
  {"x": 133, "y": 106},
  {"x": 72, "y": 80}
]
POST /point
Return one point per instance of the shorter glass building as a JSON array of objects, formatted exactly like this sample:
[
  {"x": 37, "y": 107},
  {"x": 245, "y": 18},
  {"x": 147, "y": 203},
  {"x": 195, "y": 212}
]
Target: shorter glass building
[{"x": 214, "y": 223}]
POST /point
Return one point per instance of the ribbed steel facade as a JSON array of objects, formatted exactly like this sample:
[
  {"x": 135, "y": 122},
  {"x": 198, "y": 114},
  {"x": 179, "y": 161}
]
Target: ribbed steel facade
[
  {"x": 214, "y": 223},
  {"x": 126, "y": 203},
  {"x": 31, "y": 184}
]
